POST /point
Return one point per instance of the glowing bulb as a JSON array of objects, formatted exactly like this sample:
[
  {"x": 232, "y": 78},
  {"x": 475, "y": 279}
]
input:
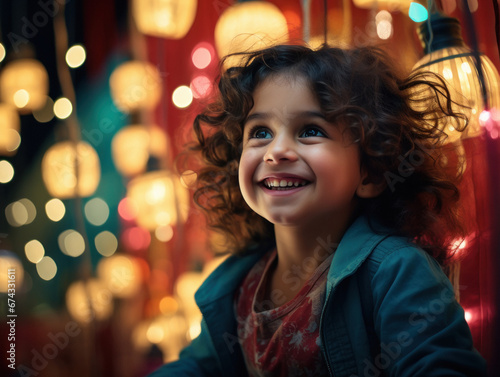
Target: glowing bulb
[
  {"x": 182, "y": 96},
  {"x": 34, "y": 251},
  {"x": 55, "y": 209},
  {"x": 2, "y": 52},
  {"x": 46, "y": 268},
  {"x": 75, "y": 56},
  {"x": 201, "y": 57},
  {"x": 63, "y": 108},
  {"x": 6, "y": 171},
  {"x": 21, "y": 98}
]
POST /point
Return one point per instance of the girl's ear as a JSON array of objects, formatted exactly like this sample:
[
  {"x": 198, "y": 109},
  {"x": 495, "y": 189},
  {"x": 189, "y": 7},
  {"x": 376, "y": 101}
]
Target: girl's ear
[{"x": 368, "y": 189}]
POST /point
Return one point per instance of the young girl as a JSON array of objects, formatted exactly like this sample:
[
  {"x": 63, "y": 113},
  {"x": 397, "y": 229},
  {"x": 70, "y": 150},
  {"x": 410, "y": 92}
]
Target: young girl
[{"x": 324, "y": 169}]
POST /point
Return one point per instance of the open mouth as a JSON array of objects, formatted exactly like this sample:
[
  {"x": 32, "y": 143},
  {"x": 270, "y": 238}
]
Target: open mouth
[{"x": 284, "y": 183}]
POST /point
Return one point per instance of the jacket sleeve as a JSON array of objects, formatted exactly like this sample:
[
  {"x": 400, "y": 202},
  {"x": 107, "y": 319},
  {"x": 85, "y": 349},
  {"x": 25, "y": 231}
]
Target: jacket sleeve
[
  {"x": 196, "y": 360},
  {"x": 420, "y": 325}
]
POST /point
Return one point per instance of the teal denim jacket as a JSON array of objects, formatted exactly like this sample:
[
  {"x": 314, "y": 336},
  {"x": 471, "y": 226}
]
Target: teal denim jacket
[{"x": 389, "y": 311}]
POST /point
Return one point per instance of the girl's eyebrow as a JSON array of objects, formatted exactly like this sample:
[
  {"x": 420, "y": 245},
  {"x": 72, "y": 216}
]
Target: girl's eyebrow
[{"x": 300, "y": 115}]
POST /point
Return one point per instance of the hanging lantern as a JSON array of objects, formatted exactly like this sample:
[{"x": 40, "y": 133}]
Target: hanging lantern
[
  {"x": 159, "y": 199},
  {"x": 449, "y": 57},
  {"x": 24, "y": 83},
  {"x": 120, "y": 274},
  {"x": 133, "y": 145},
  {"x": 164, "y": 18},
  {"x": 89, "y": 301},
  {"x": 248, "y": 26},
  {"x": 58, "y": 170},
  {"x": 9, "y": 129},
  {"x": 135, "y": 85}
]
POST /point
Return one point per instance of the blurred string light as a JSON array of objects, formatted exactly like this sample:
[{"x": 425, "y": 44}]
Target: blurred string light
[
  {"x": 24, "y": 83},
  {"x": 21, "y": 212},
  {"x": 127, "y": 210},
  {"x": 89, "y": 300},
  {"x": 6, "y": 171},
  {"x": 46, "y": 268},
  {"x": 96, "y": 211},
  {"x": 106, "y": 243},
  {"x": 182, "y": 96},
  {"x": 75, "y": 56},
  {"x": 200, "y": 86},
  {"x": 55, "y": 209},
  {"x": 383, "y": 21},
  {"x": 46, "y": 112},
  {"x": 2, "y": 52},
  {"x": 418, "y": 12},
  {"x": 71, "y": 243},
  {"x": 136, "y": 238},
  {"x": 164, "y": 233},
  {"x": 34, "y": 251},
  {"x": 63, "y": 108},
  {"x": 201, "y": 55},
  {"x": 10, "y": 125},
  {"x": 121, "y": 274}
]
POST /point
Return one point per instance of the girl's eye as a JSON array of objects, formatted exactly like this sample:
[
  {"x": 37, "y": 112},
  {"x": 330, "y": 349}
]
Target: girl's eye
[
  {"x": 260, "y": 133},
  {"x": 312, "y": 132}
]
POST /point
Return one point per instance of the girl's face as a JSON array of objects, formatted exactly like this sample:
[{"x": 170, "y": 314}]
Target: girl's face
[{"x": 295, "y": 167}]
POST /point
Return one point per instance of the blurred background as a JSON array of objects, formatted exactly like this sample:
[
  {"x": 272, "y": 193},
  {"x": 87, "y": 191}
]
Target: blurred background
[{"x": 101, "y": 247}]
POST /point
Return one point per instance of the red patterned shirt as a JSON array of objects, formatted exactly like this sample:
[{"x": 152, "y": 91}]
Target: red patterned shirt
[{"x": 282, "y": 340}]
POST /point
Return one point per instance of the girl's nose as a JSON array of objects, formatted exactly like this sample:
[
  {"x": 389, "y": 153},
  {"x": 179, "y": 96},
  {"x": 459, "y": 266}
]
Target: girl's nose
[{"x": 281, "y": 149}]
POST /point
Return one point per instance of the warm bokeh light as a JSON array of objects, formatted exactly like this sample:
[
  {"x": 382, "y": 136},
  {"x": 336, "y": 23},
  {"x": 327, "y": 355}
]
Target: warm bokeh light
[
  {"x": 249, "y": 25},
  {"x": 21, "y": 212},
  {"x": 182, "y": 97},
  {"x": 201, "y": 86},
  {"x": 127, "y": 210},
  {"x": 58, "y": 170},
  {"x": 106, "y": 243},
  {"x": 10, "y": 126},
  {"x": 55, "y": 209},
  {"x": 80, "y": 294},
  {"x": 71, "y": 243},
  {"x": 201, "y": 57},
  {"x": 21, "y": 98},
  {"x": 96, "y": 211},
  {"x": 135, "y": 85},
  {"x": 120, "y": 274},
  {"x": 46, "y": 112},
  {"x": 468, "y": 316},
  {"x": 75, "y": 56},
  {"x": 25, "y": 75},
  {"x": 165, "y": 19},
  {"x": 2, "y": 52},
  {"x": 160, "y": 199},
  {"x": 391, "y": 5},
  {"x": 155, "y": 333},
  {"x": 46, "y": 268},
  {"x": 133, "y": 145},
  {"x": 6, "y": 171},
  {"x": 34, "y": 251},
  {"x": 164, "y": 233},
  {"x": 63, "y": 108},
  {"x": 136, "y": 238},
  {"x": 10, "y": 266},
  {"x": 168, "y": 305}
]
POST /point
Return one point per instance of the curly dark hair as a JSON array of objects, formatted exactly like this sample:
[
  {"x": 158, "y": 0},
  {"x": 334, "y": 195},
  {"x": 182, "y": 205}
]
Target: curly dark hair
[{"x": 395, "y": 119}]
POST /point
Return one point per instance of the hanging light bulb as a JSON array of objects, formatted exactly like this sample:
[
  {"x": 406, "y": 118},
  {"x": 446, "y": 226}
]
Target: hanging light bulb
[
  {"x": 164, "y": 18},
  {"x": 24, "y": 83},
  {"x": 135, "y": 85},
  {"x": 58, "y": 170},
  {"x": 448, "y": 56},
  {"x": 9, "y": 130},
  {"x": 159, "y": 198},
  {"x": 247, "y": 26}
]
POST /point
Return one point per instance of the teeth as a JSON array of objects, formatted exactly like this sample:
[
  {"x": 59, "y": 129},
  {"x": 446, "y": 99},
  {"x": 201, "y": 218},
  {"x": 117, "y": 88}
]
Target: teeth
[{"x": 283, "y": 183}]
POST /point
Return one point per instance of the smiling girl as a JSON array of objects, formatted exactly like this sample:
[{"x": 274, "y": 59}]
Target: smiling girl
[{"x": 322, "y": 169}]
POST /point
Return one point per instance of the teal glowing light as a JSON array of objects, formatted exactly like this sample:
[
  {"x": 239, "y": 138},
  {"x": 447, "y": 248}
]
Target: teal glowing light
[{"x": 417, "y": 12}]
